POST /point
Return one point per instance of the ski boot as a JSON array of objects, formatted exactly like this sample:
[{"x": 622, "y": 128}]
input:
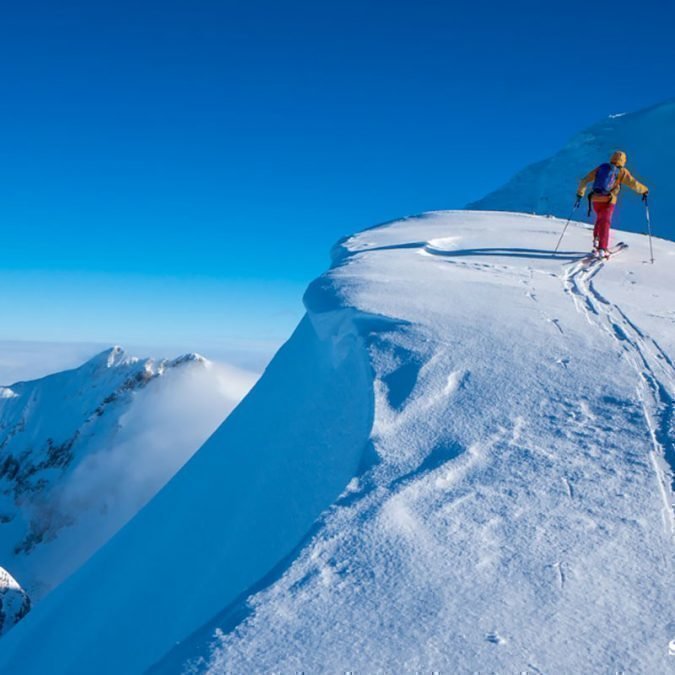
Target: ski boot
[{"x": 596, "y": 247}]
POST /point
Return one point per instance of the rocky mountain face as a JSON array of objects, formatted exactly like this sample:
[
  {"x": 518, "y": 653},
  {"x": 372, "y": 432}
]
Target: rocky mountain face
[{"x": 14, "y": 603}]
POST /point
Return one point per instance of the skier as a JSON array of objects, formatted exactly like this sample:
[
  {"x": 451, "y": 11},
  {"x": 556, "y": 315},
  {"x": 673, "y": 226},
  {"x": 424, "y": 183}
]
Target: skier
[{"x": 607, "y": 180}]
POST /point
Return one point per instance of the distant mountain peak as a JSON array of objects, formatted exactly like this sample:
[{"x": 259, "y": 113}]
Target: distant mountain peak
[
  {"x": 191, "y": 357},
  {"x": 60, "y": 432},
  {"x": 117, "y": 357},
  {"x": 111, "y": 358},
  {"x": 14, "y": 602}
]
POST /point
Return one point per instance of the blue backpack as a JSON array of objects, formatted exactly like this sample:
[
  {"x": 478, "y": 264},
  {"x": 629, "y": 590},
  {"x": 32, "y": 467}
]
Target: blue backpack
[{"x": 605, "y": 179}]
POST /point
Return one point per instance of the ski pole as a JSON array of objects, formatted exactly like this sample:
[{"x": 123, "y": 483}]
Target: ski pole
[
  {"x": 574, "y": 208},
  {"x": 649, "y": 227}
]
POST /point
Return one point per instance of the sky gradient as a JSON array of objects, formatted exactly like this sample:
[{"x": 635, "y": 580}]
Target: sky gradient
[{"x": 173, "y": 174}]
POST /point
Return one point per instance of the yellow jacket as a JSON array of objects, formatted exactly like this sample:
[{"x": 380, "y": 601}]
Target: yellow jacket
[{"x": 624, "y": 178}]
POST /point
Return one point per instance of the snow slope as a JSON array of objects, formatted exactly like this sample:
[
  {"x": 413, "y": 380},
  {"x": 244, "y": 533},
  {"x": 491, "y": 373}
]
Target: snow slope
[
  {"x": 82, "y": 450},
  {"x": 548, "y": 187},
  {"x": 459, "y": 462}
]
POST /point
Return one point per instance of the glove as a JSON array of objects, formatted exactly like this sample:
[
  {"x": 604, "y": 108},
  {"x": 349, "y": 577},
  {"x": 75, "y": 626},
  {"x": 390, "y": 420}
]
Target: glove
[
  {"x": 644, "y": 196},
  {"x": 578, "y": 200}
]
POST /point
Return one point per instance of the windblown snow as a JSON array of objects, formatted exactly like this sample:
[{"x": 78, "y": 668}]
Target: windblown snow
[
  {"x": 460, "y": 462},
  {"x": 83, "y": 450},
  {"x": 548, "y": 187}
]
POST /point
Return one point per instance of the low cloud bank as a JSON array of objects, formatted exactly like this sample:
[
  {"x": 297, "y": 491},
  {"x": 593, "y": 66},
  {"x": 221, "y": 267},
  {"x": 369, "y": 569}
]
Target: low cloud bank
[{"x": 168, "y": 422}]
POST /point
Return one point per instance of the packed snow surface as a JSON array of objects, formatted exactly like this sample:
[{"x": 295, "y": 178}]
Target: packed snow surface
[
  {"x": 549, "y": 186},
  {"x": 460, "y": 462}
]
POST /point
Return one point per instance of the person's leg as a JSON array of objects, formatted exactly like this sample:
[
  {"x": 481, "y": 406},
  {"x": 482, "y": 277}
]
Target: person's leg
[
  {"x": 604, "y": 211},
  {"x": 598, "y": 207},
  {"x": 606, "y": 225}
]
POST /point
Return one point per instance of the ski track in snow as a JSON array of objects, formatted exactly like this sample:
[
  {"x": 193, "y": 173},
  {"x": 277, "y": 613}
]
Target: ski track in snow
[
  {"x": 653, "y": 365},
  {"x": 656, "y": 371}
]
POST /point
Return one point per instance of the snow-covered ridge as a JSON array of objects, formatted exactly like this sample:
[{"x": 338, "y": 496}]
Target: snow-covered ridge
[
  {"x": 82, "y": 450},
  {"x": 460, "y": 461},
  {"x": 548, "y": 187}
]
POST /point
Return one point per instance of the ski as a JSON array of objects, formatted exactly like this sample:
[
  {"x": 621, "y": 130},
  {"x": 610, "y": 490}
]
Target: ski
[
  {"x": 614, "y": 250},
  {"x": 619, "y": 247},
  {"x": 593, "y": 256}
]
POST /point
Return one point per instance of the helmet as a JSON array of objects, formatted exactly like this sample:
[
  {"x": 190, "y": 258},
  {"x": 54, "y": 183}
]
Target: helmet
[{"x": 619, "y": 158}]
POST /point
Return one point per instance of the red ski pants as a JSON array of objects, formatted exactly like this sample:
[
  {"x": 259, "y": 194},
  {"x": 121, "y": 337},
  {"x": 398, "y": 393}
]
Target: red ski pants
[{"x": 604, "y": 212}]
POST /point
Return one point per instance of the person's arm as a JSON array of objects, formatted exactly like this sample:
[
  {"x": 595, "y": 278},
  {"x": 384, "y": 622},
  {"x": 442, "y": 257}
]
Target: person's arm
[
  {"x": 633, "y": 184},
  {"x": 589, "y": 178}
]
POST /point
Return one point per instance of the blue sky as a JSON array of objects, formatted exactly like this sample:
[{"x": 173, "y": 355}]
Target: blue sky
[{"x": 172, "y": 174}]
